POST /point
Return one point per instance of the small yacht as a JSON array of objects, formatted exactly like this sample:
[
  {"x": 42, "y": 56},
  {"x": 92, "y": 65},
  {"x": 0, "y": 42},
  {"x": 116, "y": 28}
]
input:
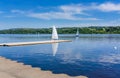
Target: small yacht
[
  {"x": 77, "y": 33},
  {"x": 54, "y": 33}
]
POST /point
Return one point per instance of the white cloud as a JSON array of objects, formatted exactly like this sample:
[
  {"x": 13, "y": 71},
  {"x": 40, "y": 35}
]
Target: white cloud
[
  {"x": 58, "y": 15},
  {"x": 73, "y": 9},
  {"x": 107, "y": 7},
  {"x": 80, "y": 9},
  {"x": 18, "y": 11},
  {"x": 67, "y": 12},
  {"x": 9, "y": 16},
  {"x": 50, "y": 15}
]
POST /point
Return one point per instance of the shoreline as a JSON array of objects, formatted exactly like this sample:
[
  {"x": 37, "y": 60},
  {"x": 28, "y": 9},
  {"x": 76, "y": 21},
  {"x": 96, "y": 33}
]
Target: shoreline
[{"x": 13, "y": 69}]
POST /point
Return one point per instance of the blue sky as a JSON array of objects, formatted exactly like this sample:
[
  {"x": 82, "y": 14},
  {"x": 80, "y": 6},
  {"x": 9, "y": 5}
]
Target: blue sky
[{"x": 62, "y": 13}]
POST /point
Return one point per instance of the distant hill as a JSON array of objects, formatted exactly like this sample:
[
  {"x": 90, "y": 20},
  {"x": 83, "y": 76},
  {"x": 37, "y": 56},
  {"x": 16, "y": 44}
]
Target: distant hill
[{"x": 64, "y": 30}]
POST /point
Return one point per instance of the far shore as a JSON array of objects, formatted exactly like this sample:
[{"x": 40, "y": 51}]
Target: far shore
[{"x": 65, "y": 30}]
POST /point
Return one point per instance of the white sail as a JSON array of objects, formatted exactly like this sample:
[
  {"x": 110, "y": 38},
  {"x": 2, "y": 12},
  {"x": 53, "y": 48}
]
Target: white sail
[
  {"x": 77, "y": 33},
  {"x": 54, "y": 33},
  {"x": 54, "y": 48}
]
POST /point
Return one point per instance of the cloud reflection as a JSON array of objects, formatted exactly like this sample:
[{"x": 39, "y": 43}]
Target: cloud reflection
[{"x": 113, "y": 58}]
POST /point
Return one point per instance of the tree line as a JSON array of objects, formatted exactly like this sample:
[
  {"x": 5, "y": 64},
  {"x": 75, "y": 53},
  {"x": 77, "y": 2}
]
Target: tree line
[{"x": 64, "y": 30}]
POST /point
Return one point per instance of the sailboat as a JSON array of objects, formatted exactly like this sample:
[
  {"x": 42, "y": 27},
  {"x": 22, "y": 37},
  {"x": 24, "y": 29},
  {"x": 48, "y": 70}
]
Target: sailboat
[
  {"x": 54, "y": 37},
  {"x": 77, "y": 33},
  {"x": 54, "y": 33}
]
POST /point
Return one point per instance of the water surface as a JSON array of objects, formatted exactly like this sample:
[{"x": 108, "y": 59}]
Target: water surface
[{"x": 95, "y": 56}]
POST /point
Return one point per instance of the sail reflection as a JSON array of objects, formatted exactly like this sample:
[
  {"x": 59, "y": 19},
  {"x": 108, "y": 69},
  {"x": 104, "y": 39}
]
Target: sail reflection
[
  {"x": 76, "y": 38},
  {"x": 54, "y": 48}
]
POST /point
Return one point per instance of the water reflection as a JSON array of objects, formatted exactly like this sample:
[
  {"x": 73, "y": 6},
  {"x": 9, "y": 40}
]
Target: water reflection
[
  {"x": 54, "y": 48},
  {"x": 95, "y": 56},
  {"x": 76, "y": 38},
  {"x": 112, "y": 58}
]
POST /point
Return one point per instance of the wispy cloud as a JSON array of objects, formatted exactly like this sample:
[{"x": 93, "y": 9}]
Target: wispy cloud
[
  {"x": 67, "y": 12},
  {"x": 71, "y": 11},
  {"x": 58, "y": 15},
  {"x": 115, "y": 22},
  {"x": 9, "y": 16},
  {"x": 108, "y": 7},
  {"x": 17, "y": 11}
]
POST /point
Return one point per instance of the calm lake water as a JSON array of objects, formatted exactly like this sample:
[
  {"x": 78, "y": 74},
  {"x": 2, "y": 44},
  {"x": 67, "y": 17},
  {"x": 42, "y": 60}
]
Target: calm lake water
[{"x": 94, "y": 56}]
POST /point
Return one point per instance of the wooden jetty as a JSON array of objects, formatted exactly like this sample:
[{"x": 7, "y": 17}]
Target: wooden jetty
[
  {"x": 54, "y": 40},
  {"x": 33, "y": 42}
]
